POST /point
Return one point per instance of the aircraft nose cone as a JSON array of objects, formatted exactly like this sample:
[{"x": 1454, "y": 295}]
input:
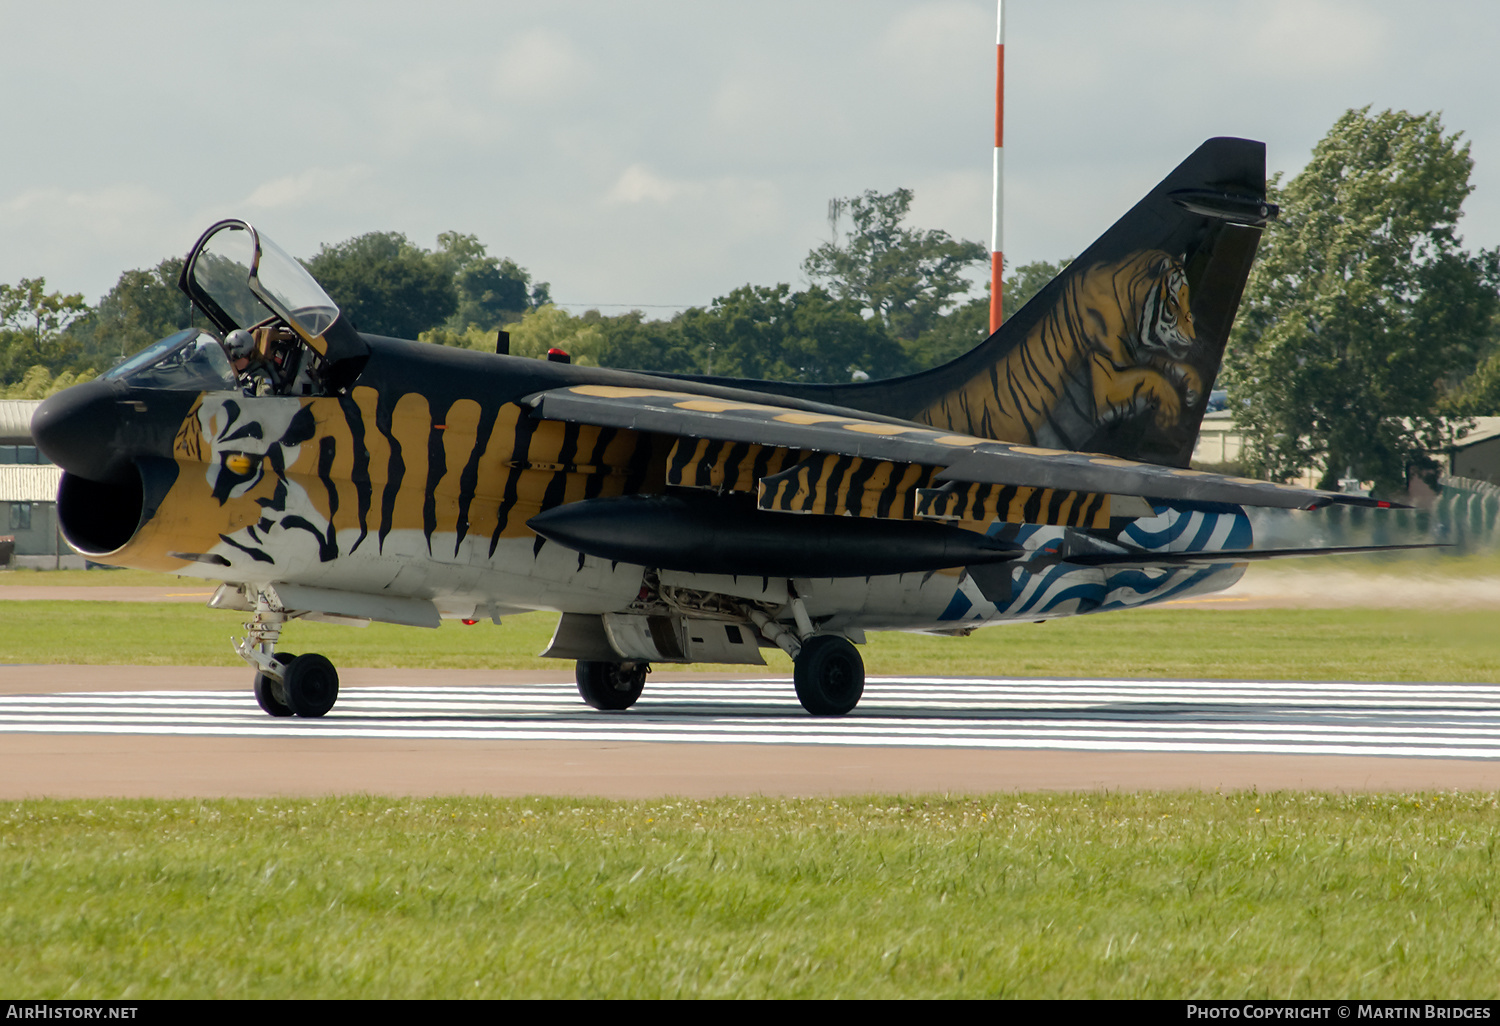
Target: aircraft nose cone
[{"x": 78, "y": 429}]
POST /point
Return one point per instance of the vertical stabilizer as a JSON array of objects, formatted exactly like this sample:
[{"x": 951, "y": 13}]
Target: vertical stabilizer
[{"x": 1118, "y": 353}]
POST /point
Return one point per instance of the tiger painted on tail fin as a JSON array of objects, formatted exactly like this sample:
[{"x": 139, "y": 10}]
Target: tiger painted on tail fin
[
  {"x": 1109, "y": 357},
  {"x": 1115, "y": 345}
]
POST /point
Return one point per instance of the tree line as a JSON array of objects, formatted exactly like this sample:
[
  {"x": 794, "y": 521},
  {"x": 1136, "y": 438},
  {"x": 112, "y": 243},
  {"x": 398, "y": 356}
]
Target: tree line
[
  {"x": 885, "y": 299},
  {"x": 1366, "y": 336}
]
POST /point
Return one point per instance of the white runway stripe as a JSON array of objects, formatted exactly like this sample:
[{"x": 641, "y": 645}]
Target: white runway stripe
[{"x": 1438, "y": 720}]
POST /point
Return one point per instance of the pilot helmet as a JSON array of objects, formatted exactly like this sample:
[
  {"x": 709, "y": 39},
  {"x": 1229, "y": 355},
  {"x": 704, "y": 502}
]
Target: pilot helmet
[{"x": 239, "y": 344}]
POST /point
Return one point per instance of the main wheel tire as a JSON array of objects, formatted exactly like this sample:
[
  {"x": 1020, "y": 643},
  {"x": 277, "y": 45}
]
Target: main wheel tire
[
  {"x": 311, "y": 685},
  {"x": 269, "y": 692},
  {"x": 610, "y": 685},
  {"x": 829, "y": 674}
]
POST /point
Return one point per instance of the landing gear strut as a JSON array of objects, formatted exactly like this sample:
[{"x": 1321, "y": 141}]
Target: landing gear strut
[
  {"x": 286, "y": 685},
  {"x": 829, "y": 675},
  {"x": 611, "y": 685}
]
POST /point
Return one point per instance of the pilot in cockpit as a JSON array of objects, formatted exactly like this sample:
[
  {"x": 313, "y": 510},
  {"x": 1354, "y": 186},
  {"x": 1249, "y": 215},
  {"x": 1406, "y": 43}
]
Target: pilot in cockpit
[{"x": 249, "y": 367}]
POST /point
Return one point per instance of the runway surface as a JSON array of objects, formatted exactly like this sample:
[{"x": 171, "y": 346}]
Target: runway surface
[
  {"x": 1435, "y": 720},
  {"x": 750, "y": 736}
]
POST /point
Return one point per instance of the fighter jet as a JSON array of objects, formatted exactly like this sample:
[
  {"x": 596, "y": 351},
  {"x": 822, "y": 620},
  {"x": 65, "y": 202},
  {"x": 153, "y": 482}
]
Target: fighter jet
[{"x": 327, "y": 474}]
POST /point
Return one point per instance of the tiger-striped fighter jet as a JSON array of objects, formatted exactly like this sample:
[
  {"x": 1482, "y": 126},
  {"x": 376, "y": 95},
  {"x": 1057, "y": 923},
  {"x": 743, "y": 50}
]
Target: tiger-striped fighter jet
[{"x": 326, "y": 474}]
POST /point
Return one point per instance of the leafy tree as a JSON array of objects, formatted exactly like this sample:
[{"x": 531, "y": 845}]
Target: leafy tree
[
  {"x": 32, "y": 327},
  {"x": 1479, "y": 394},
  {"x": 908, "y": 278},
  {"x": 38, "y": 383},
  {"x": 960, "y": 330},
  {"x": 627, "y": 341},
  {"x": 630, "y": 341},
  {"x": 773, "y": 332},
  {"x": 491, "y": 292},
  {"x": 551, "y": 327},
  {"x": 1363, "y": 309},
  {"x": 1026, "y": 281},
  {"x": 145, "y": 305},
  {"x": 386, "y": 284}
]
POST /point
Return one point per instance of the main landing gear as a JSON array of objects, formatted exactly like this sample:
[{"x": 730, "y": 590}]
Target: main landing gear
[
  {"x": 826, "y": 668},
  {"x": 829, "y": 675},
  {"x": 286, "y": 685},
  {"x": 611, "y": 685}
]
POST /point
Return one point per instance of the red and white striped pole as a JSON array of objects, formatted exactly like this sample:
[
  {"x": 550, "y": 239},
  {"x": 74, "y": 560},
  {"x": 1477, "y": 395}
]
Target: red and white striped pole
[{"x": 997, "y": 239}]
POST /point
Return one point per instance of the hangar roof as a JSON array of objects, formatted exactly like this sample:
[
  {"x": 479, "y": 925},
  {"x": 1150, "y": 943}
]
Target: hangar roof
[
  {"x": 24, "y": 482},
  {"x": 15, "y": 420}
]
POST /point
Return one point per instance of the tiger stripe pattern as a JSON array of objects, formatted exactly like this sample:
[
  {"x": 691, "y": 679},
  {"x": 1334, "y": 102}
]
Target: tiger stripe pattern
[
  {"x": 347, "y": 472},
  {"x": 980, "y": 504},
  {"x": 724, "y": 466},
  {"x": 1114, "y": 347},
  {"x": 836, "y": 485}
]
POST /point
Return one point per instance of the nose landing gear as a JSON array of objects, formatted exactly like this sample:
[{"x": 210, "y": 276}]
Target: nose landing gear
[{"x": 286, "y": 685}]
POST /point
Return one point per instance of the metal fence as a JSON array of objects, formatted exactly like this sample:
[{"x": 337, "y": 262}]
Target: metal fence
[{"x": 1465, "y": 517}]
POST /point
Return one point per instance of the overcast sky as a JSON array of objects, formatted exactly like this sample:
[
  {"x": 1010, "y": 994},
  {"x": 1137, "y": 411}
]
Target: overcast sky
[{"x": 658, "y": 153}]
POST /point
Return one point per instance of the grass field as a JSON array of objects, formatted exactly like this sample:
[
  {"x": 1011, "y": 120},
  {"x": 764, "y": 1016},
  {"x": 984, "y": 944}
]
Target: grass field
[
  {"x": 1270, "y": 644},
  {"x": 1104, "y": 895}
]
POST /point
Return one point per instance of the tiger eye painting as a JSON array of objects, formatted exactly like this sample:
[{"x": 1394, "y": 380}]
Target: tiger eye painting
[{"x": 344, "y": 476}]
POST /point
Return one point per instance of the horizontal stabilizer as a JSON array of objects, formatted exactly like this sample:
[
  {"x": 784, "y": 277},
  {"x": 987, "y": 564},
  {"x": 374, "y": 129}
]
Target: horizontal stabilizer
[{"x": 1147, "y": 560}]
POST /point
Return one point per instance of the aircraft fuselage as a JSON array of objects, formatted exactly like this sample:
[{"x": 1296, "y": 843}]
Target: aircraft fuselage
[{"x": 419, "y": 482}]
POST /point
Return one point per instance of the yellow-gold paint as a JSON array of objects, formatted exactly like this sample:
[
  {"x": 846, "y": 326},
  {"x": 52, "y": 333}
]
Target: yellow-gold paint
[{"x": 1085, "y": 340}]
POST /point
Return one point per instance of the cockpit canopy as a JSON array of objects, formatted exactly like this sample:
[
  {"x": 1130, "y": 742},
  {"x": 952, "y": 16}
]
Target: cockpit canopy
[
  {"x": 191, "y": 360},
  {"x": 240, "y": 279},
  {"x": 236, "y": 276},
  {"x": 278, "y": 332}
]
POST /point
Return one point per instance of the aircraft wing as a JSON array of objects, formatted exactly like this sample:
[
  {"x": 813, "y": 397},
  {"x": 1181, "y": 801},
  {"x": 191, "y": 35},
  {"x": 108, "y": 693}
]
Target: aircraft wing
[{"x": 962, "y": 459}]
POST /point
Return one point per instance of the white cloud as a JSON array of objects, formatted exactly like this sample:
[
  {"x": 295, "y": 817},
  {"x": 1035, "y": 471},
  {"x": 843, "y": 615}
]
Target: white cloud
[
  {"x": 1316, "y": 38},
  {"x": 107, "y": 210},
  {"x": 540, "y": 65},
  {"x": 741, "y": 206},
  {"x": 958, "y": 202},
  {"x": 639, "y": 184},
  {"x": 435, "y": 106},
  {"x": 312, "y": 187},
  {"x": 935, "y": 37},
  {"x": 81, "y": 239}
]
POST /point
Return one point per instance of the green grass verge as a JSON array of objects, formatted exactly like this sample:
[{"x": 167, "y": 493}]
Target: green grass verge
[
  {"x": 1272, "y": 644},
  {"x": 1423, "y": 563},
  {"x": 102, "y": 579},
  {"x": 1105, "y": 895}
]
